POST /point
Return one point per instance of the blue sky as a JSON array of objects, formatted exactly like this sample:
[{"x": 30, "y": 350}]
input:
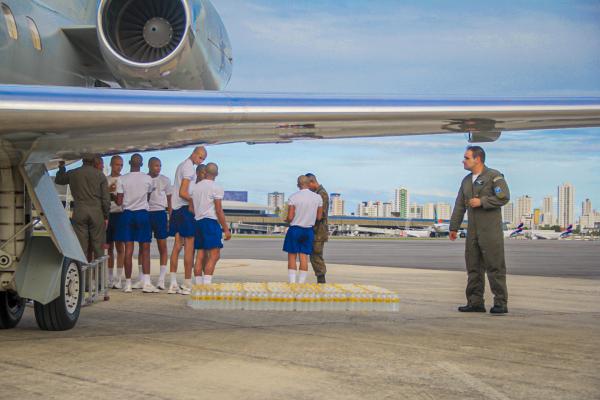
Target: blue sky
[{"x": 413, "y": 48}]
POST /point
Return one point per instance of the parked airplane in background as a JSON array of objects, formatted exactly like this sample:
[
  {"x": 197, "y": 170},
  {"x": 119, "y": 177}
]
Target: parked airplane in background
[
  {"x": 551, "y": 235},
  {"x": 418, "y": 233},
  {"x": 67, "y": 73},
  {"x": 516, "y": 232}
]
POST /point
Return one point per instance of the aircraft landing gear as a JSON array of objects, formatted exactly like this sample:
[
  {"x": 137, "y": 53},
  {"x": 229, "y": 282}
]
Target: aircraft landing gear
[
  {"x": 62, "y": 313},
  {"x": 11, "y": 309}
]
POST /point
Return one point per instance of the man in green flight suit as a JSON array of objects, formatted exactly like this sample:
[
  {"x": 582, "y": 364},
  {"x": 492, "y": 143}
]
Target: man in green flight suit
[
  {"x": 91, "y": 203},
  {"x": 321, "y": 230},
  {"x": 482, "y": 194}
]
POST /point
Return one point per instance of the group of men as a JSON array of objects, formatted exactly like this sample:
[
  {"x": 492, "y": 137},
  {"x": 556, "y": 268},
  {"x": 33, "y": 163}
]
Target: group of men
[
  {"x": 121, "y": 209},
  {"x": 135, "y": 206}
]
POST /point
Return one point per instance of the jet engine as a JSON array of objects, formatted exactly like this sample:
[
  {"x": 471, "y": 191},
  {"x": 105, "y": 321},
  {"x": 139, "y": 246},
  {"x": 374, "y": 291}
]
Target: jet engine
[{"x": 163, "y": 44}]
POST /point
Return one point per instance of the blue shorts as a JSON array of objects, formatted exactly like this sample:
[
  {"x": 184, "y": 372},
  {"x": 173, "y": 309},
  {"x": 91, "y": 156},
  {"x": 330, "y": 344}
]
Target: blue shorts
[
  {"x": 182, "y": 222},
  {"x": 113, "y": 226},
  {"x": 299, "y": 240},
  {"x": 209, "y": 235},
  {"x": 158, "y": 224},
  {"x": 134, "y": 226}
]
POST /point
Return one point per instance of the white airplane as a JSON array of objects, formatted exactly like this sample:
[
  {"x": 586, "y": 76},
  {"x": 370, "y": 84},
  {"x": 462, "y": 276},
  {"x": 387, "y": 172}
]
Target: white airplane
[
  {"x": 69, "y": 70},
  {"x": 516, "y": 232},
  {"x": 418, "y": 233},
  {"x": 551, "y": 235}
]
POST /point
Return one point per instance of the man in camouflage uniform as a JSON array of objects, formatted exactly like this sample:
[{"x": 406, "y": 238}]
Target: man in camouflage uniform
[
  {"x": 482, "y": 194},
  {"x": 321, "y": 230},
  {"x": 91, "y": 203}
]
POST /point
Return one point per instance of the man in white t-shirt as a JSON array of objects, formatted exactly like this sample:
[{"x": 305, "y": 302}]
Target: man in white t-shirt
[
  {"x": 133, "y": 191},
  {"x": 181, "y": 224},
  {"x": 206, "y": 204},
  {"x": 160, "y": 208},
  {"x": 304, "y": 209},
  {"x": 114, "y": 281}
]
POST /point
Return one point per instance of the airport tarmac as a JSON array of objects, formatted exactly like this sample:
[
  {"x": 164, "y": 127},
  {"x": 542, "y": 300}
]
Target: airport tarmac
[
  {"x": 152, "y": 346},
  {"x": 566, "y": 258}
]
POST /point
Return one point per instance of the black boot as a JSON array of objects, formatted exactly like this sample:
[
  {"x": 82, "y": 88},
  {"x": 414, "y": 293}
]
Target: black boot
[
  {"x": 321, "y": 278},
  {"x": 470, "y": 308},
  {"x": 499, "y": 309}
]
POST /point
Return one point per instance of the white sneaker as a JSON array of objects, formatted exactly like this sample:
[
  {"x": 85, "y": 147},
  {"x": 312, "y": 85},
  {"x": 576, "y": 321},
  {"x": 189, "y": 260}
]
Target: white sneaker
[
  {"x": 185, "y": 290},
  {"x": 116, "y": 284},
  {"x": 174, "y": 288},
  {"x": 150, "y": 288},
  {"x": 138, "y": 285},
  {"x": 161, "y": 285},
  {"x": 127, "y": 288}
]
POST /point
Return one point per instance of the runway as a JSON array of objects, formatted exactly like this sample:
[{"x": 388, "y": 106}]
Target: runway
[{"x": 564, "y": 258}]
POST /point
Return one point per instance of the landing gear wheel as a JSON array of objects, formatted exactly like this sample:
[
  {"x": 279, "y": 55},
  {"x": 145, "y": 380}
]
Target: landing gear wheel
[
  {"x": 62, "y": 313},
  {"x": 11, "y": 309}
]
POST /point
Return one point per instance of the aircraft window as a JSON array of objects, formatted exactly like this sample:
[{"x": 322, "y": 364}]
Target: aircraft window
[
  {"x": 10, "y": 22},
  {"x": 35, "y": 34}
]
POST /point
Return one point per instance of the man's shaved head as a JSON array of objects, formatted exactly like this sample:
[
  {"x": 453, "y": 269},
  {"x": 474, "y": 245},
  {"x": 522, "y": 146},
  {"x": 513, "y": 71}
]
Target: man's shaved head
[
  {"x": 211, "y": 170},
  {"x": 200, "y": 172},
  {"x": 136, "y": 161},
  {"x": 198, "y": 155},
  {"x": 116, "y": 158},
  {"x": 116, "y": 165},
  {"x": 154, "y": 166},
  {"x": 303, "y": 181}
]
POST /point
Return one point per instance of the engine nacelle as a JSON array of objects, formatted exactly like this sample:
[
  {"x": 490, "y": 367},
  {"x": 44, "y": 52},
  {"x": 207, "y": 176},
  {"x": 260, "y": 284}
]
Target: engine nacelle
[{"x": 164, "y": 44}]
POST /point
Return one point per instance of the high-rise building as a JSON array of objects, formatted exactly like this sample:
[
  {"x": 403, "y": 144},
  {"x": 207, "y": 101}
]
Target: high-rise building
[
  {"x": 586, "y": 207},
  {"x": 566, "y": 205},
  {"x": 429, "y": 211},
  {"x": 401, "y": 202},
  {"x": 336, "y": 204},
  {"x": 508, "y": 213},
  {"x": 443, "y": 211},
  {"x": 415, "y": 211},
  {"x": 548, "y": 211},
  {"x": 374, "y": 209},
  {"x": 387, "y": 208},
  {"x": 524, "y": 207},
  {"x": 589, "y": 216},
  {"x": 275, "y": 202}
]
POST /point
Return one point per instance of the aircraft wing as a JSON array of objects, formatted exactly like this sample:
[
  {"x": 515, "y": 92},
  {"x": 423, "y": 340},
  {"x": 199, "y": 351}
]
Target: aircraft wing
[{"x": 64, "y": 122}]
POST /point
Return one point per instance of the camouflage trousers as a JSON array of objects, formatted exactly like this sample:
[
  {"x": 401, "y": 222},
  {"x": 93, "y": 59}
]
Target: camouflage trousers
[{"x": 316, "y": 258}]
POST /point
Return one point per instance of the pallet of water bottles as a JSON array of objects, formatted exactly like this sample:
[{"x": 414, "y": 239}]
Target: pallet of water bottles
[{"x": 280, "y": 296}]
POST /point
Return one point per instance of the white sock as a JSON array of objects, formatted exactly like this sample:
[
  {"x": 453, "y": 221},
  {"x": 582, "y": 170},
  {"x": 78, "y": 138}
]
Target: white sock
[
  {"x": 110, "y": 273},
  {"x": 127, "y": 282},
  {"x": 163, "y": 272},
  {"x": 207, "y": 279},
  {"x": 188, "y": 283},
  {"x": 173, "y": 278},
  {"x": 147, "y": 280},
  {"x": 119, "y": 273},
  {"x": 141, "y": 279},
  {"x": 291, "y": 275},
  {"x": 302, "y": 277},
  {"x": 140, "y": 273},
  {"x": 198, "y": 280}
]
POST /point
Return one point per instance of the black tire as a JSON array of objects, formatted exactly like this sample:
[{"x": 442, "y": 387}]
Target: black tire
[
  {"x": 62, "y": 313},
  {"x": 11, "y": 309}
]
